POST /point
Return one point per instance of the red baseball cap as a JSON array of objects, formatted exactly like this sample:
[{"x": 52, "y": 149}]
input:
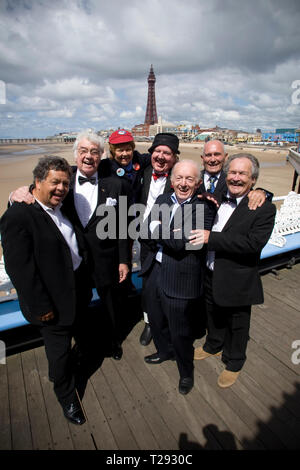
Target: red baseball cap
[{"x": 120, "y": 136}]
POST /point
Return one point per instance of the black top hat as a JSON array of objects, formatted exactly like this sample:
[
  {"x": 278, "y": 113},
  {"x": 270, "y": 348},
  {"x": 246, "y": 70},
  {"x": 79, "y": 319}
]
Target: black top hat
[{"x": 165, "y": 138}]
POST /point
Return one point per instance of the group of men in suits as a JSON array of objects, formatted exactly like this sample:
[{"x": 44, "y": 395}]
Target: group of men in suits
[{"x": 71, "y": 256}]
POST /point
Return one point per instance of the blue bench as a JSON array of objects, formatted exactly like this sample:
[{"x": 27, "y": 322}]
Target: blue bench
[
  {"x": 12, "y": 317},
  {"x": 271, "y": 257}
]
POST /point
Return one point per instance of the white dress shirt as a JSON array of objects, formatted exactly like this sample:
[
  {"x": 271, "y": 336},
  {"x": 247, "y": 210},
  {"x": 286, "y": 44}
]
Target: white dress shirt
[
  {"x": 225, "y": 211},
  {"x": 67, "y": 231},
  {"x": 206, "y": 181},
  {"x": 85, "y": 198},
  {"x": 156, "y": 188}
]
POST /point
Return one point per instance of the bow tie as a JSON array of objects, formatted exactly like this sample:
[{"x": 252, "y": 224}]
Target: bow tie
[
  {"x": 229, "y": 199},
  {"x": 82, "y": 180},
  {"x": 159, "y": 175}
]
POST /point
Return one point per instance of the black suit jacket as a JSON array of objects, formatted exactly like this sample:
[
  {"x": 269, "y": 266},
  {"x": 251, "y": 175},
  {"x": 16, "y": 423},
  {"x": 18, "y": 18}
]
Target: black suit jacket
[
  {"x": 237, "y": 247},
  {"x": 104, "y": 256},
  {"x": 181, "y": 268},
  {"x": 220, "y": 189},
  {"x": 39, "y": 264}
]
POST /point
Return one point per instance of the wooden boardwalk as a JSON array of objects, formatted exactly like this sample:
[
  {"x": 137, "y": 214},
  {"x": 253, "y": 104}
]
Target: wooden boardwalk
[{"x": 134, "y": 406}]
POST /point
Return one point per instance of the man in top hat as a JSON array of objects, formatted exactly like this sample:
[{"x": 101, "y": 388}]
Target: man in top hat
[{"x": 164, "y": 154}]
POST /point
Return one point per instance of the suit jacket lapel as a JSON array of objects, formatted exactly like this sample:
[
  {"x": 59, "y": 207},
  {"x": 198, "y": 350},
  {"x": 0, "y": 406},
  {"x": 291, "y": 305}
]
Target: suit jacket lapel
[
  {"x": 50, "y": 222},
  {"x": 243, "y": 205}
]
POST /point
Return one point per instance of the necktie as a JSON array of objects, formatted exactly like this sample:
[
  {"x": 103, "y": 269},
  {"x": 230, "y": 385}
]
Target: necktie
[
  {"x": 212, "y": 184},
  {"x": 159, "y": 175},
  {"x": 82, "y": 180},
  {"x": 229, "y": 199}
]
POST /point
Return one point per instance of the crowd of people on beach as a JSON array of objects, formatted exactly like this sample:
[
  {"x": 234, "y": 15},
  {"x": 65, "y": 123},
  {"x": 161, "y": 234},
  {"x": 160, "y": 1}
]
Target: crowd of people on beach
[{"x": 201, "y": 227}]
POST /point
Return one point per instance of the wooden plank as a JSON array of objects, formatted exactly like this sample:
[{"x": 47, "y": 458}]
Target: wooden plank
[
  {"x": 139, "y": 427},
  {"x": 99, "y": 426},
  {"x": 120, "y": 429},
  {"x": 275, "y": 348},
  {"x": 196, "y": 432},
  {"x": 272, "y": 414},
  {"x": 20, "y": 425},
  {"x": 272, "y": 382},
  {"x": 146, "y": 407},
  {"x": 234, "y": 412},
  {"x": 59, "y": 428},
  {"x": 5, "y": 427},
  {"x": 41, "y": 435}
]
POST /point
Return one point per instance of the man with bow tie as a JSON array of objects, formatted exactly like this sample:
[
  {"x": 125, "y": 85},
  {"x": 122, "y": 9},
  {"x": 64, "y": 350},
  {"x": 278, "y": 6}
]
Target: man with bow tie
[
  {"x": 89, "y": 188},
  {"x": 232, "y": 281},
  {"x": 164, "y": 154}
]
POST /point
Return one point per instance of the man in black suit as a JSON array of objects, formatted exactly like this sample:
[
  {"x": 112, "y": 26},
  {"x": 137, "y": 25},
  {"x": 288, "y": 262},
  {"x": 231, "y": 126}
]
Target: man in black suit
[
  {"x": 232, "y": 281},
  {"x": 173, "y": 270},
  {"x": 43, "y": 258},
  {"x": 108, "y": 257},
  {"x": 156, "y": 180},
  {"x": 213, "y": 176}
]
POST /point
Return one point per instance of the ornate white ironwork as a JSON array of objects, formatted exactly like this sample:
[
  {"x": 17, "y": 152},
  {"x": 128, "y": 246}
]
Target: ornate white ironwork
[{"x": 287, "y": 219}]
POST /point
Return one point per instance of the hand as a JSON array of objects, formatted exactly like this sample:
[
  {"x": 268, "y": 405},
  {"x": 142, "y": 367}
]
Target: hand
[
  {"x": 256, "y": 199},
  {"x": 209, "y": 197},
  {"x": 46, "y": 317},
  {"x": 22, "y": 194},
  {"x": 123, "y": 272},
  {"x": 198, "y": 237}
]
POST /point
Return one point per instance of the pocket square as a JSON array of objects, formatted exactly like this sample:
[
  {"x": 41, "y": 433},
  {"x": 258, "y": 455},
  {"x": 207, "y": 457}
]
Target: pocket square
[{"x": 110, "y": 201}]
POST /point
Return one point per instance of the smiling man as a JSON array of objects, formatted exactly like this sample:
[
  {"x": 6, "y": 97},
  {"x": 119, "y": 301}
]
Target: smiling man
[
  {"x": 232, "y": 281},
  {"x": 90, "y": 187},
  {"x": 44, "y": 260},
  {"x": 157, "y": 180},
  {"x": 173, "y": 272}
]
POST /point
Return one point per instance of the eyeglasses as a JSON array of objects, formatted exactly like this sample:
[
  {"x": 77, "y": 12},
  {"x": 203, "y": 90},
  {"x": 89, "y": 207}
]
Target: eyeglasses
[{"x": 85, "y": 151}]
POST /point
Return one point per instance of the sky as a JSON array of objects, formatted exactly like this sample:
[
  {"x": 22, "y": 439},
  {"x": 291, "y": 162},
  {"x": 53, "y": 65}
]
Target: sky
[{"x": 68, "y": 65}]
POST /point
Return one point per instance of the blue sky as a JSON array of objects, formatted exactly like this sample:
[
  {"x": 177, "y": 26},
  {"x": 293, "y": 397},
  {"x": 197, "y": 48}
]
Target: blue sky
[{"x": 68, "y": 65}]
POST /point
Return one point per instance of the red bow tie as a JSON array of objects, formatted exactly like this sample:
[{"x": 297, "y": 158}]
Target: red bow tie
[{"x": 159, "y": 175}]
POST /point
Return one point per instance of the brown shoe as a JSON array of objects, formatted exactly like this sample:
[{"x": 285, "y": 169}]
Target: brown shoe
[
  {"x": 227, "y": 378},
  {"x": 200, "y": 354}
]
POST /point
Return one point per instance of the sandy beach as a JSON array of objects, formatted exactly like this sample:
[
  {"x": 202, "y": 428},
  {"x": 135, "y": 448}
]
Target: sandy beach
[{"x": 276, "y": 174}]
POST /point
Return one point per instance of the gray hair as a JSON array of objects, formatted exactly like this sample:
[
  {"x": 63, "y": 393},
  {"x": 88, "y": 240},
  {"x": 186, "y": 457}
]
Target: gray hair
[
  {"x": 249, "y": 156},
  {"x": 50, "y": 162},
  {"x": 194, "y": 163},
  {"x": 91, "y": 137}
]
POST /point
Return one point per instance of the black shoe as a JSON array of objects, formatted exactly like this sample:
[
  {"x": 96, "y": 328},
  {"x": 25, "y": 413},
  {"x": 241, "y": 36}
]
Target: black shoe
[
  {"x": 156, "y": 359},
  {"x": 73, "y": 412},
  {"x": 185, "y": 385},
  {"x": 146, "y": 336},
  {"x": 117, "y": 352}
]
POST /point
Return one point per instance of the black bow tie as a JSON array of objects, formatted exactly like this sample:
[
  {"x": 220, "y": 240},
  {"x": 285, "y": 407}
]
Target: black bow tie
[
  {"x": 82, "y": 180},
  {"x": 229, "y": 199}
]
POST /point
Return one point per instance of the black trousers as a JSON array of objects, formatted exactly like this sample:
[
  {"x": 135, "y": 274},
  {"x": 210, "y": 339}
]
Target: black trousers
[
  {"x": 57, "y": 340},
  {"x": 171, "y": 323},
  {"x": 228, "y": 329}
]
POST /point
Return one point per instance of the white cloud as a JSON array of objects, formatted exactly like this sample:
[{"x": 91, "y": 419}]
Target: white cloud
[{"x": 68, "y": 63}]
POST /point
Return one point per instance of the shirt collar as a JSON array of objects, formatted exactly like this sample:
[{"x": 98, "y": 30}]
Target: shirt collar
[
  {"x": 49, "y": 209},
  {"x": 174, "y": 199}
]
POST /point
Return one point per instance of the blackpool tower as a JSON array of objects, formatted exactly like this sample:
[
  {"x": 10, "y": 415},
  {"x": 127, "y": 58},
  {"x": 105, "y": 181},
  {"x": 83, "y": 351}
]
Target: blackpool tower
[{"x": 151, "y": 114}]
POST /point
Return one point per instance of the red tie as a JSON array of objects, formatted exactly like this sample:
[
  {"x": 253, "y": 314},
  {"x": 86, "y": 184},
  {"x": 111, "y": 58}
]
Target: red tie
[{"x": 159, "y": 175}]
